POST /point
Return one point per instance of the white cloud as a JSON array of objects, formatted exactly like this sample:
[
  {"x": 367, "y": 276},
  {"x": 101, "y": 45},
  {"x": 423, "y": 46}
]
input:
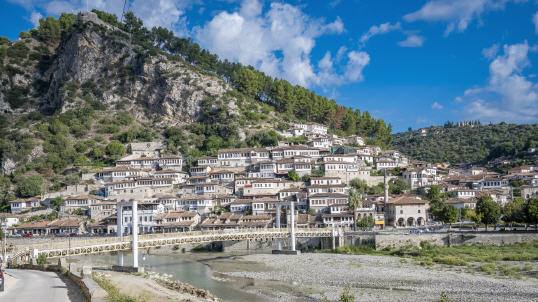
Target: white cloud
[
  {"x": 57, "y": 7},
  {"x": 437, "y": 106},
  {"x": 357, "y": 61},
  {"x": 279, "y": 42},
  {"x": 535, "y": 21},
  {"x": 35, "y": 17},
  {"x": 379, "y": 30},
  {"x": 490, "y": 52},
  {"x": 164, "y": 13},
  {"x": 334, "y": 3},
  {"x": 458, "y": 99},
  {"x": 456, "y": 13},
  {"x": 509, "y": 96},
  {"x": 412, "y": 41}
]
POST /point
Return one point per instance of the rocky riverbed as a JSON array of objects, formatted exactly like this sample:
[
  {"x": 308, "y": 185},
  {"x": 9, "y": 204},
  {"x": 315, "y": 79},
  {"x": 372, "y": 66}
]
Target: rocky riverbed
[{"x": 310, "y": 277}]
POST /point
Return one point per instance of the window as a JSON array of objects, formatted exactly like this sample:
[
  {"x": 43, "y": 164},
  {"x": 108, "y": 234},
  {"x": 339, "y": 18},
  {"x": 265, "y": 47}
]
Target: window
[{"x": 401, "y": 211}]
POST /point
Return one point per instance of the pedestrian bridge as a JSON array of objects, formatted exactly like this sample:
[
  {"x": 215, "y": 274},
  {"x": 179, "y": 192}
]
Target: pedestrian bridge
[{"x": 72, "y": 247}]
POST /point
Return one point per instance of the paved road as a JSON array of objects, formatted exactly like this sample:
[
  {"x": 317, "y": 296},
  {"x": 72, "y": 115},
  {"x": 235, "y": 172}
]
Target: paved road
[{"x": 38, "y": 286}]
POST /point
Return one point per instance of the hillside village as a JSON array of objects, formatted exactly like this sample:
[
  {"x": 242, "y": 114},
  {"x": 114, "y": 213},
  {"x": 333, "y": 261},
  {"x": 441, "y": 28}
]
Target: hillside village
[{"x": 330, "y": 181}]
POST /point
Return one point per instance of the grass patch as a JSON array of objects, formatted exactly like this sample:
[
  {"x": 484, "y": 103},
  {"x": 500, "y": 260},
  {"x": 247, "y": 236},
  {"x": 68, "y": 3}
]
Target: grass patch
[
  {"x": 488, "y": 268},
  {"x": 449, "y": 260},
  {"x": 356, "y": 250},
  {"x": 114, "y": 294}
]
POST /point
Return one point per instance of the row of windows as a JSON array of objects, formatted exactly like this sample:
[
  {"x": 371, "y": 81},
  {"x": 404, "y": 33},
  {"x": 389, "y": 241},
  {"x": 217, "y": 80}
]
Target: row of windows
[{"x": 140, "y": 219}]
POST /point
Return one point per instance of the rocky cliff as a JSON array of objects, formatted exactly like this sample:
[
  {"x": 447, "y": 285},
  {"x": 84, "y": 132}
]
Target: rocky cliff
[{"x": 96, "y": 62}]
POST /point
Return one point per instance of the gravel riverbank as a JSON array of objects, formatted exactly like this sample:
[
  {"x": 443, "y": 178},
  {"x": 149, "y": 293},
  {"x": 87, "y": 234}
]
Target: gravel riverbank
[
  {"x": 310, "y": 277},
  {"x": 153, "y": 287}
]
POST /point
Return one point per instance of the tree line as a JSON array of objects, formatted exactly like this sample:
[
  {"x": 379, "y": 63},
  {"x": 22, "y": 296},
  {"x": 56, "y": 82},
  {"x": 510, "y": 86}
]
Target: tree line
[
  {"x": 477, "y": 144},
  {"x": 487, "y": 211}
]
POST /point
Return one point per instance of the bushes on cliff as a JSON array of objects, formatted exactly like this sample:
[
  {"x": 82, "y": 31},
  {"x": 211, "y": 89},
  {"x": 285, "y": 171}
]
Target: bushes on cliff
[{"x": 30, "y": 187}]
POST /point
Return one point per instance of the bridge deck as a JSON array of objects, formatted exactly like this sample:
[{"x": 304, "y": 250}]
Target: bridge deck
[{"x": 67, "y": 247}]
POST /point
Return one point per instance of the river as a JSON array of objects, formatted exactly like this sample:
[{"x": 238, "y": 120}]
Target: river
[{"x": 185, "y": 268}]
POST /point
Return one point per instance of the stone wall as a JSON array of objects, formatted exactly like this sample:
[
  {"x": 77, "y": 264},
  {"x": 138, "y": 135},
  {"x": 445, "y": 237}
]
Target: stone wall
[
  {"x": 395, "y": 241},
  {"x": 492, "y": 238}
]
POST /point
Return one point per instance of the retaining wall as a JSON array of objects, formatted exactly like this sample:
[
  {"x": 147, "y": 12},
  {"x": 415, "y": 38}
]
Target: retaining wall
[
  {"x": 81, "y": 276},
  {"x": 448, "y": 239}
]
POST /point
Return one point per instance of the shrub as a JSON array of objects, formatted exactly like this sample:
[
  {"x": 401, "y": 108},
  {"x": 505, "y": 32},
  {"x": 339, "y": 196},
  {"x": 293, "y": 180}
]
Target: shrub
[
  {"x": 18, "y": 51},
  {"x": 115, "y": 150},
  {"x": 49, "y": 29},
  {"x": 450, "y": 260},
  {"x": 42, "y": 259},
  {"x": 16, "y": 97},
  {"x": 346, "y": 295},
  {"x": 30, "y": 187},
  {"x": 487, "y": 268},
  {"x": 124, "y": 118}
]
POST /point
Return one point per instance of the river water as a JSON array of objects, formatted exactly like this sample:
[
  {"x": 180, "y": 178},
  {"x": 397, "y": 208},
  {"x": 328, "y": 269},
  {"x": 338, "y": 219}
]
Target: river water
[{"x": 182, "y": 267}]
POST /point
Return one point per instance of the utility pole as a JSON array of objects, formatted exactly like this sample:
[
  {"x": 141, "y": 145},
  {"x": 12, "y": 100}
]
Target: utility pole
[
  {"x": 279, "y": 246},
  {"x": 386, "y": 198},
  {"x": 292, "y": 225},
  {"x": 4, "y": 235}
]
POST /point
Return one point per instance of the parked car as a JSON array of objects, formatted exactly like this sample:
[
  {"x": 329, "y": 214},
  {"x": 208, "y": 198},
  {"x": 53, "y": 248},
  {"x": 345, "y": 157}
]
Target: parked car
[
  {"x": 15, "y": 236},
  {"x": 61, "y": 234},
  {"x": 27, "y": 235}
]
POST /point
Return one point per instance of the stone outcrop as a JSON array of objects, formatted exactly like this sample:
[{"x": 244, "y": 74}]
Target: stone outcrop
[
  {"x": 187, "y": 288},
  {"x": 125, "y": 72}
]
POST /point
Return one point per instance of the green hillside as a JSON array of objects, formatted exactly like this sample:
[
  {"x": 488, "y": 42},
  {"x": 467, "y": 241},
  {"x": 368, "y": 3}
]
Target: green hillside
[
  {"x": 73, "y": 93},
  {"x": 474, "y": 144}
]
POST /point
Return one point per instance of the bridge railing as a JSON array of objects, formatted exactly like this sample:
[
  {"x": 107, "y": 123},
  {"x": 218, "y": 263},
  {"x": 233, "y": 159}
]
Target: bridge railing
[{"x": 95, "y": 241}]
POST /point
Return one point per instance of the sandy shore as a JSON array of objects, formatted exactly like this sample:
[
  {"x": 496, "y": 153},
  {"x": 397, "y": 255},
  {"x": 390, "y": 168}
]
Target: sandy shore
[{"x": 311, "y": 277}]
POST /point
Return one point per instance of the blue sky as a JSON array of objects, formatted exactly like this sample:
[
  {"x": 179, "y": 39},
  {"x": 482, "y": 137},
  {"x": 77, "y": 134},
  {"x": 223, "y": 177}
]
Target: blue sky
[{"x": 412, "y": 63}]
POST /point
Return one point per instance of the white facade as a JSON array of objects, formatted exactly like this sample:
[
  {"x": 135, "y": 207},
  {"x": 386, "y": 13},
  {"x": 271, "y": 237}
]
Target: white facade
[{"x": 19, "y": 205}]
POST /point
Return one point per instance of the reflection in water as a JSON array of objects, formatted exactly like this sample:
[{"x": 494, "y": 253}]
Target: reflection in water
[{"x": 194, "y": 273}]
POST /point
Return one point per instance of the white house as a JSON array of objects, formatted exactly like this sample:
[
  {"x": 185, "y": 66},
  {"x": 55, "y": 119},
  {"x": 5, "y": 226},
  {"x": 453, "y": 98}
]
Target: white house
[
  {"x": 147, "y": 211},
  {"x": 23, "y": 204},
  {"x": 241, "y": 157},
  {"x": 82, "y": 202}
]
